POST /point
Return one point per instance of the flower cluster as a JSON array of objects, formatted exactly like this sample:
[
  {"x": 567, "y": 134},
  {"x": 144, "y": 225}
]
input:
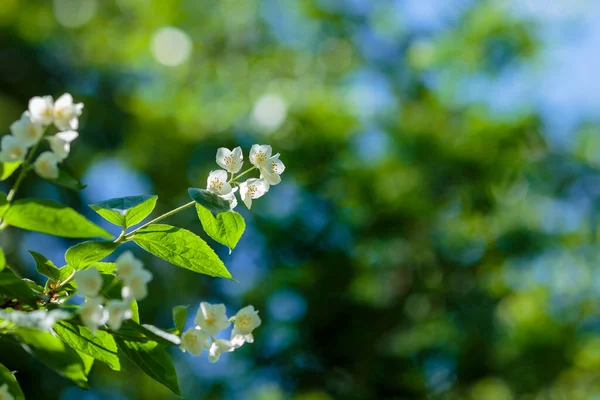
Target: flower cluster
[
  {"x": 269, "y": 166},
  {"x": 29, "y": 130},
  {"x": 97, "y": 311},
  {"x": 212, "y": 319},
  {"x": 5, "y": 394}
]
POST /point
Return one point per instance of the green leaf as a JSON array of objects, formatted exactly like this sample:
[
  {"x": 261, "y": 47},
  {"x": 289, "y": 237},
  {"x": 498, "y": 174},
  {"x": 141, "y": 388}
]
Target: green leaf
[
  {"x": 227, "y": 228},
  {"x": 86, "y": 253},
  {"x": 7, "y": 378},
  {"x": 52, "y": 218},
  {"x": 7, "y": 169},
  {"x": 179, "y": 317},
  {"x": 152, "y": 332},
  {"x": 126, "y": 211},
  {"x": 2, "y": 260},
  {"x": 56, "y": 355},
  {"x": 182, "y": 248},
  {"x": 100, "y": 346},
  {"x": 209, "y": 200},
  {"x": 105, "y": 267},
  {"x": 67, "y": 181},
  {"x": 151, "y": 358},
  {"x": 45, "y": 266},
  {"x": 3, "y": 205},
  {"x": 11, "y": 287}
]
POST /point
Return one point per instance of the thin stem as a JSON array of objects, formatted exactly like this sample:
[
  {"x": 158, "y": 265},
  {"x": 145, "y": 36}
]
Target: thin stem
[
  {"x": 128, "y": 236},
  {"x": 22, "y": 173},
  {"x": 67, "y": 280},
  {"x": 242, "y": 174}
]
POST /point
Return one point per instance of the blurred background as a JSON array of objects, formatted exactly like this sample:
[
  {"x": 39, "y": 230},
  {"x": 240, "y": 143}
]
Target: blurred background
[{"x": 435, "y": 233}]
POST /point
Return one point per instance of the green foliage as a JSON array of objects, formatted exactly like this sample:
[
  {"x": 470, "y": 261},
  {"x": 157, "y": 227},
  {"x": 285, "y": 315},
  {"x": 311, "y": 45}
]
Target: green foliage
[
  {"x": 86, "y": 253},
  {"x": 179, "y": 317},
  {"x": 209, "y": 200},
  {"x": 67, "y": 181},
  {"x": 7, "y": 377},
  {"x": 2, "y": 260},
  {"x": 151, "y": 358},
  {"x": 11, "y": 287},
  {"x": 182, "y": 248},
  {"x": 52, "y": 218},
  {"x": 101, "y": 346},
  {"x": 7, "y": 169},
  {"x": 126, "y": 211},
  {"x": 45, "y": 266},
  {"x": 56, "y": 355},
  {"x": 226, "y": 228}
]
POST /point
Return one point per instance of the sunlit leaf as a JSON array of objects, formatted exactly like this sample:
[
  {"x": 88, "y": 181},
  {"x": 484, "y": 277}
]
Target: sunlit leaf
[
  {"x": 45, "y": 266},
  {"x": 182, "y": 248},
  {"x": 100, "y": 345},
  {"x": 179, "y": 317},
  {"x": 52, "y": 218},
  {"x": 7, "y": 378},
  {"x": 86, "y": 253},
  {"x": 126, "y": 211},
  {"x": 226, "y": 228},
  {"x": 7, "y": 169}
]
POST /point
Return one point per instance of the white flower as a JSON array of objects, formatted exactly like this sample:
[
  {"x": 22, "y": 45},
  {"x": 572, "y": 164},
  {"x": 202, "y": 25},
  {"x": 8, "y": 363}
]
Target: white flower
[
  {"x": 260, "y": 155},
  {"x": 232, "y": 161},
  {"x": 271, "y": 171},
  {"x": 12, "y": 149},
  {"x": 66, "y": 112},
  {"x": 212, "y": 318},
  {"x": 217, "y": 182},
  {"x": 194, "y": 341},
  {"x": 89, "y": 282},
  {"x": 118, "y": 311},
  {"x": 128, "y": 265},
  {"x": 41, "y": 109},
  {"x": 46, "y": 165},
  {"x": 219, "y": 346},
  {"x": 92, "y": 314},
  {"x": 5, "y": 394},
  {"x": 245, "y": 321},
  {"x": 27, "y": 131},
  {"x": 231, "y": 198},
  {"x": 61, "y": 143},
  {"x": 136, "y": 285},
  {"x": 253, "y": 189}
]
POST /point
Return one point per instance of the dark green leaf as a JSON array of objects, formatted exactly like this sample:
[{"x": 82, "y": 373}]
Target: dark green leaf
[
  {"x": 7, "y": 378},
  {"x": 45, "y": 266},
  {"x": 52, "y": 218},
  {"x": 126, "y": 211},
  {"x": 182, "y": 248},
  {"x": 100, "y": 346},
  {"x": 7, "y": 169},
  {"x": 56, "y": 355},
  {"x": 209, "y": 200},
  {"x": 67, "y": 181},
  {"x": 179, "y": 317},
  {"x": 226, "y": 228},
  {"x": 86, "y": 253},
  {"x": 11, "y": 287},
  {"x": 151, "y": 358}
]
